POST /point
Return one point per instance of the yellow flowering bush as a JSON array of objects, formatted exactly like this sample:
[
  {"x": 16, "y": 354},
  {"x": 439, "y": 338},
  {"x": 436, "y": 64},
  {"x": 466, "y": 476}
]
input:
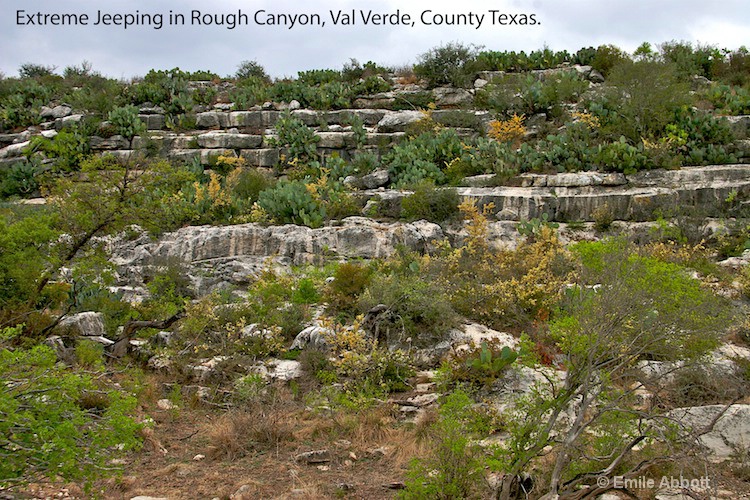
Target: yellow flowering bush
[
  {"x": 357, "y": 357},
  {"x": 504, "y": 287},
  {"x": 511, "y": 130}
]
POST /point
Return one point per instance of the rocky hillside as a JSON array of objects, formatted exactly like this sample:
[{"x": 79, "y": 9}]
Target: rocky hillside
[{"x": 492, "y": 275}]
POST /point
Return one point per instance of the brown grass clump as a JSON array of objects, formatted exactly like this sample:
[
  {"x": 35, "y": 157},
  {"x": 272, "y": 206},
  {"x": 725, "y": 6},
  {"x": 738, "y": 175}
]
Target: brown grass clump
[{"x": 237, "y": 432}]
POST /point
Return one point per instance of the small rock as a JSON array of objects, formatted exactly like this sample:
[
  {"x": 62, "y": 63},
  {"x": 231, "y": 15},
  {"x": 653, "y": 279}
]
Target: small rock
[
  {"x": 314, "y": 457},
  {"x": 378, "y": 452},
  {"x": 90, "y": 324},
  {"x": 159, "y": 362},
  {"x": 294, "y": 105},
  {"x": 396, "y": 121},
  {"x": 423, "y": 399},
  {"x": 56, "y": 112},
  {"x": 323, "y": 468},
  {"x": 353, "y": 181},
  {"x": 285, "y": 369},
  {"x": 163, "y": 338},
  {"x": 376, "y": 179},
  {"x": 396, "y": 485},
  {"x": 595, "y": 76},
  {"x": 311, "y": 337},
  {"x": 430, "y": 386},
  {"x": 165, "y": 404},
  {"x": 352, "y": 455},
  {"x": 343, "y": 443},
  {"x": 199, "y": 457},
  {"x": 244, "y": 492}
]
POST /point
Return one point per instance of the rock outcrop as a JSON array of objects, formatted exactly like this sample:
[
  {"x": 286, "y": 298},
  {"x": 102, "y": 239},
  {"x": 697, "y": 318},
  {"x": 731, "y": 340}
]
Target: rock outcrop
[
  {"x": 730, "y": 433},
  {"x": 579, "y": 196},
  {"x": 356, "y": 237}
]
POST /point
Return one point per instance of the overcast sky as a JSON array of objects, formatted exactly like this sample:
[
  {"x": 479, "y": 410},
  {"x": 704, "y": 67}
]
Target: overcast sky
[{"x": 124, "y": 53}]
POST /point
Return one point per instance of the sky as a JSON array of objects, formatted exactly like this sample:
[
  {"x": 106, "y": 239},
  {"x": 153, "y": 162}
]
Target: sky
[{"x": 125, "y": 52}]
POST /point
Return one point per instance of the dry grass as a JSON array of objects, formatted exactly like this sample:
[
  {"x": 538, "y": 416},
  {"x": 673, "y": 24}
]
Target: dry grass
[
  {"x": 405, "y": 75},
  {"x": 237, "y": 432}
]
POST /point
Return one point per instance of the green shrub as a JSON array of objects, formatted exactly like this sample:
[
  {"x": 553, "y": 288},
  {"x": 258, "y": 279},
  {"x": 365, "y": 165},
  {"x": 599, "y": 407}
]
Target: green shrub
[
  {"x": 249, "y": 92},
  {"x": 585, "y": 56},
  {"x": 21, "y": 102},
  {"x": 430, "y": 203},
  {"x": 97, "y": 95},
  {"x": 251, "y": 70},
  {"x": 484, "y": 156},
  {"x": 297, "y": 137},
  {"x": 57, "y": 423},
  {"x": 68, "y": 149},
  {"x": 654, "y": 301},
  {"x": 126, "y": 122},
  {"x": 349, "y": 282},
  {"x": 418, "y": 309},
  {"x": 353, "y": 71},
  {"x": 520, "y": 61},
  {"x": 358, "y": 129},
  {"x": 620, "y": 156},
  {"x": 318, "y": 76},
  {"x": 480, "y": 365},
  {"x": 21, "y": 179},
  {"x": 454, "y": 469},
  {"x": 641, "y": 99},
  {"x": 701, "y": 60},
  {"x": 305, "y": 292},
  {"x": 607, "y": 57},
  {"x": 370, "y": 85},
  {"x": 700, "y": 138},
  {"x": 412, "y": 101},
  {"x": 89, "y": 354},
  {"x": 528, "y": 95},
  {"x": 289, "y": 202},
  {"x": 450, "y": 64},
  {"x": 424, "y": 157},
  {"x": 730, "y": 100},
  {"x": 246, "y": 184}
]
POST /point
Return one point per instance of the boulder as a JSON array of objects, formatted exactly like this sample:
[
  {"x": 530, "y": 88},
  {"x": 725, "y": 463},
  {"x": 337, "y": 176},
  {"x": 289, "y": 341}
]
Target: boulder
[
  {"x": 311, "y": 337},
  {"x": 212, "y": 119},
  {"x": 284, "y": 369},
  {"x": 452, "y": 97},
  {"x": 397, "y": 121},
  {"x": 480, "y": 83},
  {"x": 336, "y": 140},
  {"x": 474, "y": 333},
  {"x": 260, "y": 157},
  {"x": 730, "y": 433},
  {"x": 153, "y": 121},
  {"x": 111, "y": 143},
  {"x": 14, "y": 150},
  {"x": 67, "y": 121},
  {"x": 87, "y": 324},
  {"x": 355, "y": 237},
  {"x": 595, "y": 77},
  {"x": 54, "y": 113},
  {"x": 223, "y": 140},
  {"x": 376, "y": 179}
]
